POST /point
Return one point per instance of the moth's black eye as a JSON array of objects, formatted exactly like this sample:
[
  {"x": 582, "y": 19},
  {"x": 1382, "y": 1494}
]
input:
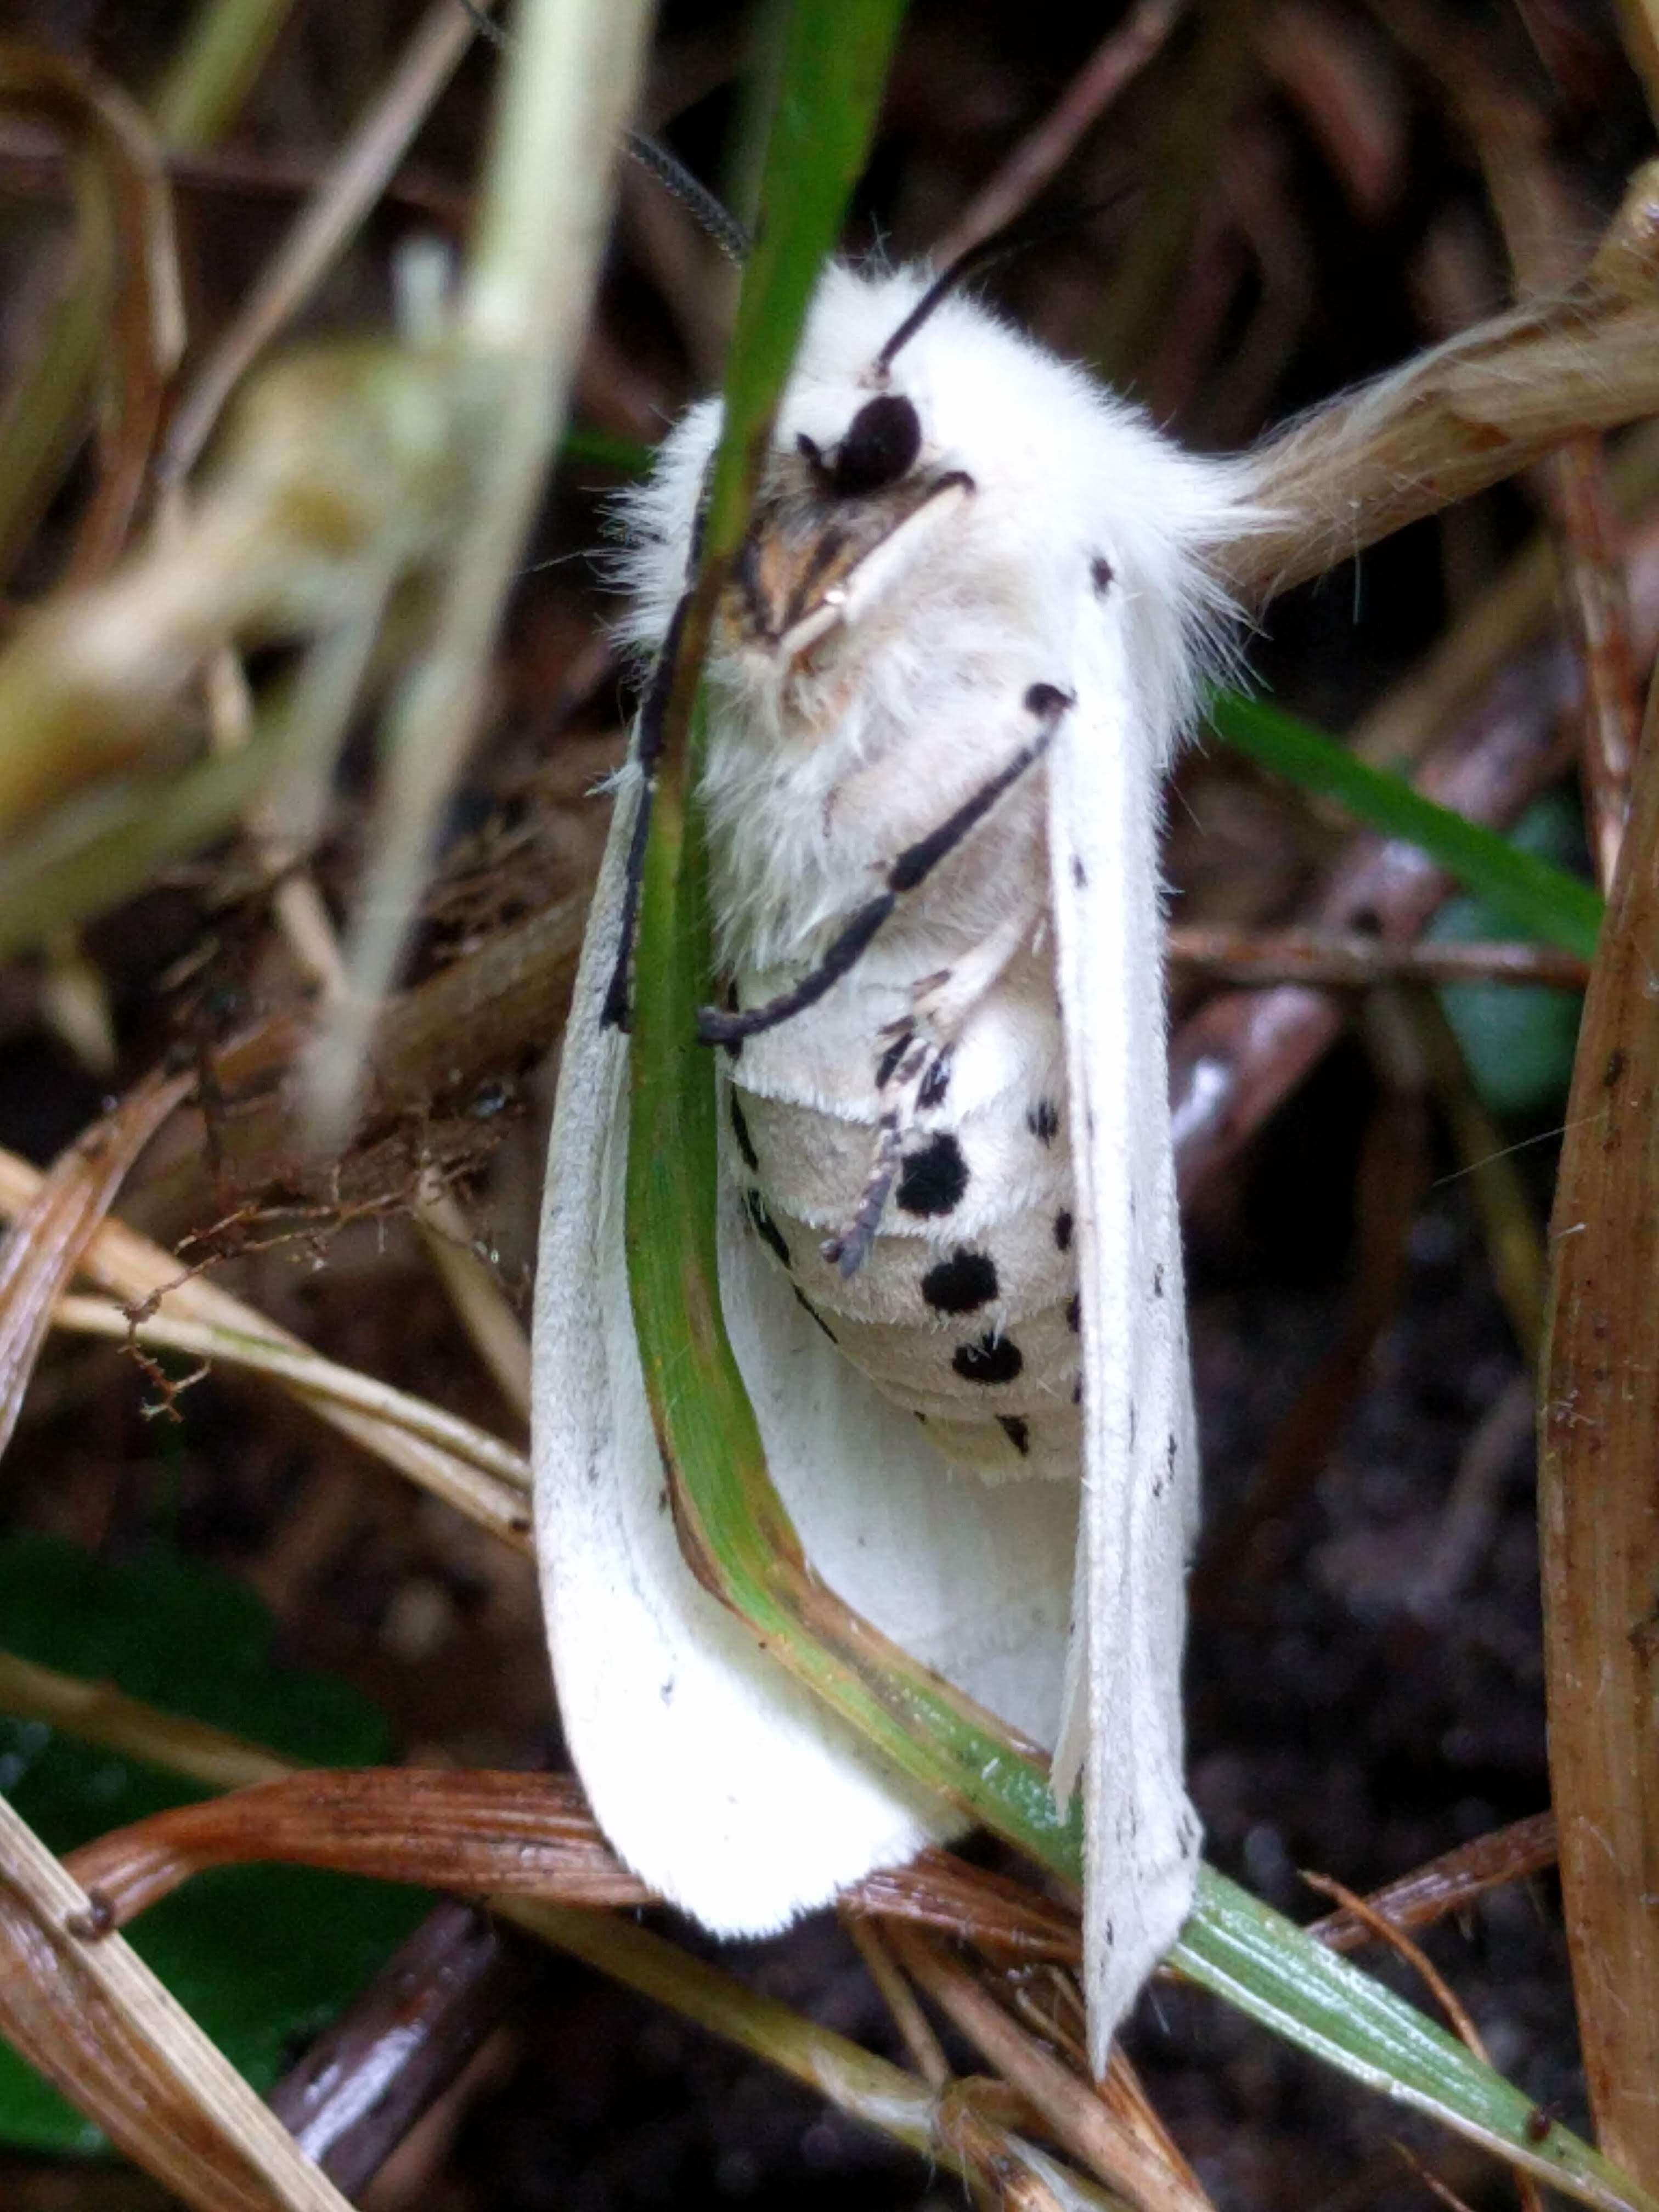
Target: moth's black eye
[{"x": 882, "y": 441}]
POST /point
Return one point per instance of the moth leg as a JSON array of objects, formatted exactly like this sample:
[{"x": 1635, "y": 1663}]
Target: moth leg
[
  {"x": 1047, "y": 702},
  {"x": 915, "y": 1069},
  {"x": 648, "y": 752}
]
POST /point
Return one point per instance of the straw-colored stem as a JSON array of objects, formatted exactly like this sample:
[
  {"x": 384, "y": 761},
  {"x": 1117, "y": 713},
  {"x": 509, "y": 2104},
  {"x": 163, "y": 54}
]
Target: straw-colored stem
[{"x": 544, "y": 207}]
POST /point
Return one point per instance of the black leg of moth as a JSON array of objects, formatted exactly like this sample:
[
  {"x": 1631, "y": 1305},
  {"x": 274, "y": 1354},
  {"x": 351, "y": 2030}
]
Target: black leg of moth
[
  {"x": 912, "y": 868},
  {"x": 648, "y": 752}
]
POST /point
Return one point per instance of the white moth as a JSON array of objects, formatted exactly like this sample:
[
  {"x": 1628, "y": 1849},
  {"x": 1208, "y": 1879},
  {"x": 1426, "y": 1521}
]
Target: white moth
[{"x": 949, "y": 671}]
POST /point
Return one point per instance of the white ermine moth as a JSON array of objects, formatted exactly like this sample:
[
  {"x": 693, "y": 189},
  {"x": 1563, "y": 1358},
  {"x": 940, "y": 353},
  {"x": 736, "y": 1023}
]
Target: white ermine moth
[{"x": 949, "y": 670}]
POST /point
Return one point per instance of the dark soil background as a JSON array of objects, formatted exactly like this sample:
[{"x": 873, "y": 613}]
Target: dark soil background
[{"x": 1364, "y": 1674}]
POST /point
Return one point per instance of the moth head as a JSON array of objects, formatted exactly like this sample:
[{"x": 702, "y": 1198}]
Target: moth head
[{"x": 838, "y": 521}]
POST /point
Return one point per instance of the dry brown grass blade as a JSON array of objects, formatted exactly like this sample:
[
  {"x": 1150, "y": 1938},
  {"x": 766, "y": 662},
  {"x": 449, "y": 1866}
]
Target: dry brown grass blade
[
  {"x": 858, "y": 2083},
  {"x": 1009, "y": 1920},
  {"x": 473, "y": 1831},
  {"x": 468, "y": 1022},
  {"x": 98, "y": 1713},
  {"x": 1463, "y": 415},
  {"x": 1118, "y": 2153},
  {"x": 94, "y": 2020},
  {"x": 867, "y": 2087},
  {"x": 1449, "y": 1884},
  {"x": 1599, "y": 1503},
  {"x": 52, "y": 1231}
]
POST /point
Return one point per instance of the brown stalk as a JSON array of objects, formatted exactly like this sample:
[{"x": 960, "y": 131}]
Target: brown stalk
[
  {"x": 918, "y": 2039},
  {"x": 1037, "y": 159},
  {"x": 1118, "y": 2153},
  {"x": 1599, "y": 1503},
  {"x": 1451, "y": 1883},
  {"x": 50, "y": 1235},
  {"x": 488, "y": 1012},
  {"x": 1348, "y": 95}
]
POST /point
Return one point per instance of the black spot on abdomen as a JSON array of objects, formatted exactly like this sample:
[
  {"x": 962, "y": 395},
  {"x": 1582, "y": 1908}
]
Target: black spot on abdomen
[
  {"x": 992, "y": 1360},
  {"x": 1019, "y": 1432},
  {"x": 1063, "y": 1231},
  {"x": 961, "y": 1283},
  {"x": 1043, "y": 1121},
  {"x": 932, "y": 1182}
]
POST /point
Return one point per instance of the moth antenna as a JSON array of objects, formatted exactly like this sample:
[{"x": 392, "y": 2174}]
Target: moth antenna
[
  {"x": 654, "y": 158},
  {"x": 693, "y": 196},
  {"x": 984, "y": 254}
]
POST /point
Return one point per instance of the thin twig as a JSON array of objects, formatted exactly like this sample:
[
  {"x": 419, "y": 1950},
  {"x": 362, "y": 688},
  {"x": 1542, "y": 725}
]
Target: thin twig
[
  {"x": 1115, "y": 61},
  {"x": 141, "y": 1273},
  {"x": 1451, "y": 1883},
  {"x": 1350, "y": 961}
]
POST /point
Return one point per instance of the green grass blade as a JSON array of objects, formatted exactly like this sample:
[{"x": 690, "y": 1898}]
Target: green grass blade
[{"x": 1539, "y": 899}]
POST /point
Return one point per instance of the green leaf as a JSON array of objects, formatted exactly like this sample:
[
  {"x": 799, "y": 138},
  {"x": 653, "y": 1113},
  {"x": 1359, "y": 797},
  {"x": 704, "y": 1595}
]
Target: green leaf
[
  {"x": 263, "y": 1956},
  {"x": 1533, "y": 896},
  {"x": 1517, "y": 1039}
]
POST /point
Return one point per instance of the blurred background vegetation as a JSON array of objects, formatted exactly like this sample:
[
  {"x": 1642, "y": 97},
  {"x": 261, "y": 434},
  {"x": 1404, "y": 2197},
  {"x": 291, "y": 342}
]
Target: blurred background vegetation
[{"x": 1263, "y": 201}]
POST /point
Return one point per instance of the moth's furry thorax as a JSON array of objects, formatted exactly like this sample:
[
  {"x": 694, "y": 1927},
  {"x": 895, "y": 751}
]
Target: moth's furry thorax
[{"x": 868, "y": 644}]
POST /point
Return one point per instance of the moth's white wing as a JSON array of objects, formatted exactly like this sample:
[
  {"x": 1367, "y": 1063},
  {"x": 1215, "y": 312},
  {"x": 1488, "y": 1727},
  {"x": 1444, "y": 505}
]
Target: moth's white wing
[
  {"x": 719, "y": 1780},
  {"x": 1123, "y": 1722}
]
